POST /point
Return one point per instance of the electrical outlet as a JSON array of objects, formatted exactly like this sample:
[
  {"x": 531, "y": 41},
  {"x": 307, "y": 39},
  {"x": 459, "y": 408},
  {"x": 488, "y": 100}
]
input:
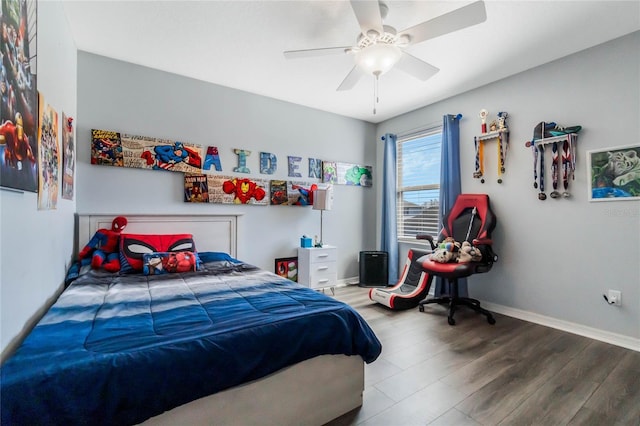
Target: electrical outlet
[{"x": 615, "y": 297}]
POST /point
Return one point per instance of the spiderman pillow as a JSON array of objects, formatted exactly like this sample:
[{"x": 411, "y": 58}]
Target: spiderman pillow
[
  {"x": 133, "y": 247},
  {"x": 168, "y": 262}
]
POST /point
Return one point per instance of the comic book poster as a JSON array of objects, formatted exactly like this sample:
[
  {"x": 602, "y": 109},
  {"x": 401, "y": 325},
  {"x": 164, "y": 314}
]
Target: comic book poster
[
  {"x": 279, "y": 193},
  {"x": 300, "y": 193},
  {"x": 106, "y": 148},
  {"x": 19, "y": 96},
  {"x": 143, "y": 152},
  {"x": 353, "y": 174},
  {"x": 48, "y": 157},
  {"x": 216, "y": 194},
  {"x": 161, "y": 154},
  {"x": 196, "y": 189},
  {"x": 230, "y": 189},
  {"x": 329, "y": 174},
  {"x": 68, "y": 157}
]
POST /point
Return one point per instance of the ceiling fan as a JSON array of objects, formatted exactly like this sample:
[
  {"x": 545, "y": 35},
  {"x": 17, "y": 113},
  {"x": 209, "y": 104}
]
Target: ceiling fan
[{"x": 380, "y": 47}]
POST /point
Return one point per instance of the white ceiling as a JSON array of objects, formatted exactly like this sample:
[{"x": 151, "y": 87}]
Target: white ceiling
[{"x": 239, "y": 44}]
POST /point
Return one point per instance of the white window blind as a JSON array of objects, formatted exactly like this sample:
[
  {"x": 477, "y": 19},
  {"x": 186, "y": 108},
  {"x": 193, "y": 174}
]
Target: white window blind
[{"x": 418, "y": 183}]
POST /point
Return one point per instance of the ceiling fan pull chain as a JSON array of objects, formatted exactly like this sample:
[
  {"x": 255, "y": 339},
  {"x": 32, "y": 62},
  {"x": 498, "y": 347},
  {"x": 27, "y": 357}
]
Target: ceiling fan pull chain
[
  {"x": 375, "y": 93},
  {"x": 374, "y": 97}
]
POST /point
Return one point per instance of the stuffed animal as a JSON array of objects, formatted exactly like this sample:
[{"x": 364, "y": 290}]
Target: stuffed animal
[
  {"x": 103, "y": 248},
  {"x": 442, "y": 256},
  {"x": 447, "y": 251},
  {"x": 449, "y": 244},
  {"x": 469, "y": 253}
]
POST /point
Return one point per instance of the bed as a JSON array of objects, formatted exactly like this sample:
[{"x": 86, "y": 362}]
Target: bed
[{"x": 228, "y": 344}]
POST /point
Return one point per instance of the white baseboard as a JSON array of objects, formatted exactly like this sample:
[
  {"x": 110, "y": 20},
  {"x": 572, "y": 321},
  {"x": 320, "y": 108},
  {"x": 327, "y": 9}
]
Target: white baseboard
[
  {"x": 570, "y": 327},
  {"x": 581, "y": 330},
  {"x": 348, "y": 281}
]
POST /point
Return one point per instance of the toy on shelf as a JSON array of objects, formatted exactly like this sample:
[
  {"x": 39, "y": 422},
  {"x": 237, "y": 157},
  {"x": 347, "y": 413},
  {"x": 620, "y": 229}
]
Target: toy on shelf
[
  {"x": 483, "y": 118},
  {"x": 500, "y": 132},
  {"x": 545, "y": 133}
]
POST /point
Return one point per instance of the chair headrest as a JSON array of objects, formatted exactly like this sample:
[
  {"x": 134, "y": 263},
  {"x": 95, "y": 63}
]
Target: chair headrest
[{"x": 484, "y": 213}]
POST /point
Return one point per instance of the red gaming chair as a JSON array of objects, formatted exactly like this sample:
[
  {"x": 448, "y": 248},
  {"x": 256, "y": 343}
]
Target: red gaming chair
[{"x": 470, "y": 219}]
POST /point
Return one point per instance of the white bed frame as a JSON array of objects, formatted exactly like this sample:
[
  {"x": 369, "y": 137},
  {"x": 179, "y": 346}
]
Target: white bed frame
[
  {"x": 311, "y": 392},
  {"x": 210, "y": 232}
]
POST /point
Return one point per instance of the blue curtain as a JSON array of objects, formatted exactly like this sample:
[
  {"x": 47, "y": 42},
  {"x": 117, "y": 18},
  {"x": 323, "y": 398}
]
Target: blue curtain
[
  {"x": 450, "y": 186},
  {"x": 389, "y": 231}
]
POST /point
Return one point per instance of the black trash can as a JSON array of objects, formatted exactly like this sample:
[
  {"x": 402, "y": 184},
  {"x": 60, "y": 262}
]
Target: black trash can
[{"x": 374, "y": 269}]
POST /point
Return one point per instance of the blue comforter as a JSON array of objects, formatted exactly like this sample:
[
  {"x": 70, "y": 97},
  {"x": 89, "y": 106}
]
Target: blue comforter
[{"x": 118, "y": 349}]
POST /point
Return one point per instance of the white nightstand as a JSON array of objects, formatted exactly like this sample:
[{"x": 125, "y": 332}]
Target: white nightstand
[{"x": 317, "y": 267}]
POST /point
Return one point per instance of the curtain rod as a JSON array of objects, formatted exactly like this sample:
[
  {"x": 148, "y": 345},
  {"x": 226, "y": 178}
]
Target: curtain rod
[
  {"x": 421, "y": 129},
  {"x": 425, "y": 128}
]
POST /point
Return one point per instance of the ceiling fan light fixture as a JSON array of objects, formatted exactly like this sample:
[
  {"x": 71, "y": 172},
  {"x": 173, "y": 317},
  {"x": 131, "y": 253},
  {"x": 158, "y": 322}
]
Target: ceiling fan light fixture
[
  {"x": 378, "y": 58},
  {"x": 403, "y": 39},
  {"x": 373, "y": 34}
]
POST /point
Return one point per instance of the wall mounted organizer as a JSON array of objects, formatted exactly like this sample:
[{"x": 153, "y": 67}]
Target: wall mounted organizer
[{"x": 563, "y": 151}]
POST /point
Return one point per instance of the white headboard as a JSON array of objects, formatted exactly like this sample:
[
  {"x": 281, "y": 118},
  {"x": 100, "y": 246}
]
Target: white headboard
[{"x": 210, "y": 232}]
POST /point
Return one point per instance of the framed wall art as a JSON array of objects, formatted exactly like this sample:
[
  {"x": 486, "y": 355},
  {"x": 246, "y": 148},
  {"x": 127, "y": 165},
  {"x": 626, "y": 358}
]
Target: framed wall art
[
  {"x": 19, "y": 105},
  {"x": 287, "y": 267},
  {"x": 614, "y": 173}
]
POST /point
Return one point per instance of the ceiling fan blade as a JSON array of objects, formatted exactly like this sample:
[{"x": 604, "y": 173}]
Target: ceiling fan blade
[
  {"x": 351, "y": 79},
  {"x": 308, "y": 53},
  {"x": 416, "y": 67},
  {"x": 455, "y": 20},
  {"x": 368, "y": 15}
]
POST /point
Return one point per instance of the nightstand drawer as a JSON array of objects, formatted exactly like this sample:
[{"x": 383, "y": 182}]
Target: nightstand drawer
[
  {"x": 322, "y": 269},
  {"x": 322, "y": 255},
  {"x": 323, "y": 277}
]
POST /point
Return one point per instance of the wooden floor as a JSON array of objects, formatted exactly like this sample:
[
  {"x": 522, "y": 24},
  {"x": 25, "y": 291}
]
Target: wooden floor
[{"x": 473, "y": 373}]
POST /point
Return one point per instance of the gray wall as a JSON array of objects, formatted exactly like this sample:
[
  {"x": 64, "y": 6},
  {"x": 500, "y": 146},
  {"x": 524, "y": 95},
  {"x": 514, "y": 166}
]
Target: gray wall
[
  {"x": 120, "y": 96},
  {"x": 557, "y": 257},
  {"x": 35, "y": 246}
]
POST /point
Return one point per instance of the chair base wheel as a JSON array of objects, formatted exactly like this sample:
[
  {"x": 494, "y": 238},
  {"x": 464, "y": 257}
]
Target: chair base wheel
[{"x": 453, "y": 303}]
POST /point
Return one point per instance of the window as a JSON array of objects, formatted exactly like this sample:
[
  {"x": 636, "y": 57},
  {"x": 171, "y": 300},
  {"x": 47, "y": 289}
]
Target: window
[{"x": 418, "y": 183}]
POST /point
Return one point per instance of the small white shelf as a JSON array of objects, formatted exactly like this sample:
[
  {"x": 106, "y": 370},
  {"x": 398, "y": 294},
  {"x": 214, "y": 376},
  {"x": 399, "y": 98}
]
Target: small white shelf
[
  {"x": 492, "y": 135},
  {"x": 554, "y": 139}
]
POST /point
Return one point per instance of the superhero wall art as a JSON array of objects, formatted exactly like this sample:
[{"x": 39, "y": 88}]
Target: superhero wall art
[
  {"x": 291, "y": 193},
  {"x": 200, "y": 188},
  {"x": 143, "y": 152},
  {"x": 18, "y": 95},
  {"x": 48, "y": 157},
  {"x": 346, "y": 174}
]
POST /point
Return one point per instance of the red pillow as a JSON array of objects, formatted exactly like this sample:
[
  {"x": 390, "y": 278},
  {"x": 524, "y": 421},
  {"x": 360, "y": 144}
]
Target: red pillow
[
  {"x": 168, "y": 263},
  {"x": 134, "y": 246}
]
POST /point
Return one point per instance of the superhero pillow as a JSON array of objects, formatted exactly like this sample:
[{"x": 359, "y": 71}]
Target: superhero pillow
[
  {"x": 133, "y": 247},
  {"x": 169, "y": 262}
]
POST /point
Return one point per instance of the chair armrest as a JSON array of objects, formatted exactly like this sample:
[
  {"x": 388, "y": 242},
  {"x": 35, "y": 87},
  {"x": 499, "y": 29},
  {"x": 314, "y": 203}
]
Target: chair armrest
[
  {"x": 482, "y": 241},
  {"x": 428, "y": 238},
  {"x": 486, "y": 248}
]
